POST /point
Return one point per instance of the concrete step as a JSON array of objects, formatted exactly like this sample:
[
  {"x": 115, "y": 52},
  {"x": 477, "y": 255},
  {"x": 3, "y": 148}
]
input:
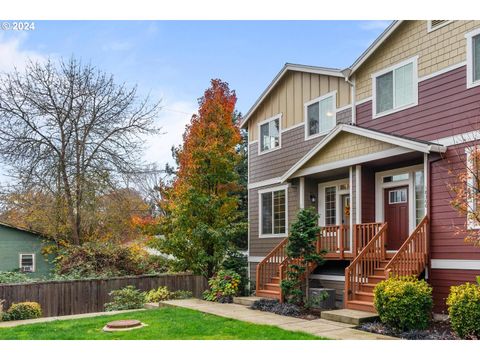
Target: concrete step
[
  {"x": 349, "y": 316},
  {"x": 245, "y": 300}
]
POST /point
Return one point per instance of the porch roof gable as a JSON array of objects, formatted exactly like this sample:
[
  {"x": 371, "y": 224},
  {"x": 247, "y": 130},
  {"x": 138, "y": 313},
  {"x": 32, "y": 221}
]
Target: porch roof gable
[{"x": 407, "y": 144}]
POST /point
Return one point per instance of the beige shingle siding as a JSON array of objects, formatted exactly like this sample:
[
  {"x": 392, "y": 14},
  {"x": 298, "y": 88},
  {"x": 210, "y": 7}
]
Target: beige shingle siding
[
  {"x": 347, "y": 146},
  {"x": 437, "y": 50},
  {"x": 291, "y": 93}
]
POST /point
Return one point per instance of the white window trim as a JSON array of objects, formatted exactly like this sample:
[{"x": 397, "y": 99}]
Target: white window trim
[
  {"x": 397, "y": 202},
  {"x": 380, "y": 186},
  {"x": 272, "y": 189},
  {"x": 414, "y": 61},
  {"x": 34, "y": 262},
  {"x": 469, "y": 36},
  {"x": 471, "y": 223},
  {"x": 305, "y": 113},
  {"x": 279, "y": 117},
  {"x": 429, "y": 25}
]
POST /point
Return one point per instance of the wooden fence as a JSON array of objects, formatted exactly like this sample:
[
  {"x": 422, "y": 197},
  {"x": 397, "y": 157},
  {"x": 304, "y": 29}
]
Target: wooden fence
[{"x": 86, "y": 296}]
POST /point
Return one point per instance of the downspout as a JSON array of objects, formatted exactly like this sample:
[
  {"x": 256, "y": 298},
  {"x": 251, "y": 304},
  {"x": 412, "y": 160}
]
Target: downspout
[{"x": 346, "y": 73}]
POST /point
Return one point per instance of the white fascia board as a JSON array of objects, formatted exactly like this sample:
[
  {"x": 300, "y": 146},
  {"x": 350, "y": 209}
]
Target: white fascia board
[
  {"x": 279, "y": 76},
  {"x": 375, "y": 45},
  {"x": 391, "y": 139}
]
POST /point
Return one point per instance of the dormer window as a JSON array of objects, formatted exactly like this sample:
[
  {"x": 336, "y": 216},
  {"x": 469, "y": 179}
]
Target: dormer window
[
  {"x": 270, "y": 134},
  {"x": 395, "y": 88},
  {"x": 320, "y": 115}
]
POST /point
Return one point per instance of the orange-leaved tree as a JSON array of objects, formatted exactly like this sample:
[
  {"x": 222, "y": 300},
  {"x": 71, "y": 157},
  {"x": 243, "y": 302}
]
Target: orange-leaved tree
[{"x": 201, "y": 205}]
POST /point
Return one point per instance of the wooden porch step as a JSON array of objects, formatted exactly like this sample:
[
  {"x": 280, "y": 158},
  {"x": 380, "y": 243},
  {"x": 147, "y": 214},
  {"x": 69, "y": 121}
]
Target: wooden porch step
[
  {"x": 275, "y": 280},
  {"x": 270, "y": 294},
  {"x": 379, "y": 272},
  {"x": 360, "y": 305},
  {"x": 375, "y": 279},
  {"x": 364, "y": 296},
  {"x": 272, "y": 286}
]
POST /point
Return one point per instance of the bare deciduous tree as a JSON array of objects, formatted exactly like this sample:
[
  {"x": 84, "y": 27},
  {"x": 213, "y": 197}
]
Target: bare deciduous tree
[{"x": 69, "y": 129}]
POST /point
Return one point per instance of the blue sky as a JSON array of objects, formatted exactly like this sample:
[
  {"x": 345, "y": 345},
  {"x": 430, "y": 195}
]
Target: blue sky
[{"x": 175, "y": 60}]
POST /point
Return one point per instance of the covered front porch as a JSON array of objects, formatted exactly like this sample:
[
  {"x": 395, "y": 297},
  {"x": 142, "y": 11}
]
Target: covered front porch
[{"x": 357, "y": 179}]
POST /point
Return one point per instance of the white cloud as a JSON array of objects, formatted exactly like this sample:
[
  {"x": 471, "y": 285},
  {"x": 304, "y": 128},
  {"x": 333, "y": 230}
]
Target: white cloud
[
  {"x": 172, "y": 119},
  {"x": 374, "y": 24},
  {"x": 14, "y": 55}
]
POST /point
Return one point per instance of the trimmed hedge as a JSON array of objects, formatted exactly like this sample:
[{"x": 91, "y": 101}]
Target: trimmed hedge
[
  {"x": 464, "y": 310},
  {"x": 404, "y": 303}
]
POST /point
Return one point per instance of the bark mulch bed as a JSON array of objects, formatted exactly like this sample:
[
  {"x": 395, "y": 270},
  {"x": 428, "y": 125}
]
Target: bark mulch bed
[{"x": 438, "y": 330}]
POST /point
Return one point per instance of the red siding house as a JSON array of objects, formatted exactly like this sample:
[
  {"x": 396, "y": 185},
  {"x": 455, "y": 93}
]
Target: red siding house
[{"x": 374, "y": 148}]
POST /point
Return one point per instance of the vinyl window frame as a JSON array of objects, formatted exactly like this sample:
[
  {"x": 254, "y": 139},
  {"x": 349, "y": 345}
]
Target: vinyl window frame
[
  {"x": 412, "y": 60},
  {"x": 20, "y": 258},
  {"x": 313, "y": 101},
  {"x": 270, "y": 119},
  {"x": 471, "y": 82},
  {"x": 260, "y": 217}
]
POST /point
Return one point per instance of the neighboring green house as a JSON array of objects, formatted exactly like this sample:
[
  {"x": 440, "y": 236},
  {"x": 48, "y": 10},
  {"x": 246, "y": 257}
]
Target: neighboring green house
[{"x": 20, "y": 249}]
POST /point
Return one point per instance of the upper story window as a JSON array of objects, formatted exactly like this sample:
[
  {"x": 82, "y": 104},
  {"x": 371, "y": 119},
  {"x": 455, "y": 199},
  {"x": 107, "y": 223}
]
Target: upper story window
[
  {"x": 433, "y": 25},
  {"x": 395, "y": 88},
  {"x": 273, "y": 212},
  {"x": 270, "y": 134},
  {"x": 27, "y": 262},
  {"x": 320, "y": 115},
  {"x": 473, "y": 58}
]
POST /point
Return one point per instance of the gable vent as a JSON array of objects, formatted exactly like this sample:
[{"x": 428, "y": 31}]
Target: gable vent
[{"x": 436, "y": 24}]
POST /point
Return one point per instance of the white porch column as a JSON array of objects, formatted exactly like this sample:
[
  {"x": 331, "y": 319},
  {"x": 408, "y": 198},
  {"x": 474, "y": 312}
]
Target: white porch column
[
  {"x": 358, "y": 193},
  {"x": 302, "y": 193}
]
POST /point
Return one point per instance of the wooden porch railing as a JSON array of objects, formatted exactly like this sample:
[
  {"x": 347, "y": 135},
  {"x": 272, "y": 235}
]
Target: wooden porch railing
[
  {"x": 334, "y": 239},
  {"x": 269, "y": 267},
  {"x": 363, "y": 233},
  {"x": 363, "y": 266},
  {"x": 412, "y": 257}
]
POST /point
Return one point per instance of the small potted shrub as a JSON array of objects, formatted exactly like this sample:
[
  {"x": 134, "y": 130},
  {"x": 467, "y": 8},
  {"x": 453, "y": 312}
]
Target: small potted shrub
[
  {"x": 23, "y": 311},
  {"x": 464, "y": 310},
  {"x": 404, "y": 303},
  {"x": 223, "y": 286}
]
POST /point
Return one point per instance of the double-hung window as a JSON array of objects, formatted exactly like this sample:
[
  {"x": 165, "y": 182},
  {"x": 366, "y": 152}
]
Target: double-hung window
[
  {"x": 473, "y": 58},
  {"x": 270, "y": 134},
  {"x": 273, "y": 212},
  {"x": 27, "y": 262},
  {"x": 320, "y": 115},
  {"x": 396, "y": 88}
]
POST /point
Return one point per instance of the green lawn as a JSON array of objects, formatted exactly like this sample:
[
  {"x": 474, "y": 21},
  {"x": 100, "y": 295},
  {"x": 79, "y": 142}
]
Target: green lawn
[{"x": 164, "y": 323}]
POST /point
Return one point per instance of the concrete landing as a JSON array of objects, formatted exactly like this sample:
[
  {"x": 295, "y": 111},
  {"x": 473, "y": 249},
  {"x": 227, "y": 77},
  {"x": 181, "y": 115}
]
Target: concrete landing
[
  {"x": 245, "y": 300},
  {"x": 348, "y": 316}
]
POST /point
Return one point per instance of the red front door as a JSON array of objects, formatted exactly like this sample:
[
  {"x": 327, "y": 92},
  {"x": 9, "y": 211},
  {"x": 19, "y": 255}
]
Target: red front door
[{"x": 396, "y": 215}]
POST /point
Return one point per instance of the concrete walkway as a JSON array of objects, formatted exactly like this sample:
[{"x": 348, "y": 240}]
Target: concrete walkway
[
  {"x": 319, "y": 327},
  {"x": 7, "y": 324}
]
